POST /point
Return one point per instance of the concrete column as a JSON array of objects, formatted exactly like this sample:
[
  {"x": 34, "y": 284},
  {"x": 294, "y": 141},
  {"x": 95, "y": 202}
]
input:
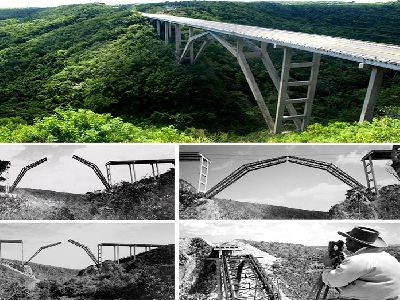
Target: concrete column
[
  {"x": 0, "y": 251},
  {"x": 134, "y": 253},
  {"x": 178, "y": 41},
  {"x": 166, "y": 32},
  {"x": 152, "y": 167},
  {"x": 22, "y": 253},
  {"x": 130, "y": 250},
  {"x": 158, "y": 27},
  {"x": 158, "y": 170},
  {"x": 371, "y": 97},
  {"x": 115, "y": 254},
  {"x": 170, "y": 29},
  {"x": 191, "y": 51},
  {"x": 134, "y": 172},
  {"x": 130, "y": 172},
  {"x": 118, "y": 254}
]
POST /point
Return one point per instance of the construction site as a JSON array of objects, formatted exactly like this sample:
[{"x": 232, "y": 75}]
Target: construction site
[
  {"x": 36, "y": 203},
  {"x": 123, "y": 270},
  {"x": 363, "y": 200},
  {"x": 249, "y": 269}
]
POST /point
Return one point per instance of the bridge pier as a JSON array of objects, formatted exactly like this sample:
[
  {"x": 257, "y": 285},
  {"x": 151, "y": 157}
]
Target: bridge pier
[
  {"x": 316, "y": 44},
  {"x": 166, "y": 32},
  {"x": 371, "y": 96},
  {"x": 158, "y": 25},
  {"x": 178, "y": 41}
]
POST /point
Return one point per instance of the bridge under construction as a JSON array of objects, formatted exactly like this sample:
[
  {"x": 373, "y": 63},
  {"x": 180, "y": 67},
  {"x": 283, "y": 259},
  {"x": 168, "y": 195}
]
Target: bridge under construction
[
  {"x": 251, "y": 42},
  {"x": 242, "y": 276}
]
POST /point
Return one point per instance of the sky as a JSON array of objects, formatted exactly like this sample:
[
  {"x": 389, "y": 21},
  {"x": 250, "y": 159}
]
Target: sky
[
  {"x": 51, "y": 3},
  {"x": 66, "y": 255},
  {"x": 315, "y": 233},
  {"x": 63, "y": 174},
  {"x": 287, "y": 184}
]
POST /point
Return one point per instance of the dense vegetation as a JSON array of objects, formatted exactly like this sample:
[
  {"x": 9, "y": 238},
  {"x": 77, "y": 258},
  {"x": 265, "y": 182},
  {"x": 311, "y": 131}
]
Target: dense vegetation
[{"x": 107, "y": 59}]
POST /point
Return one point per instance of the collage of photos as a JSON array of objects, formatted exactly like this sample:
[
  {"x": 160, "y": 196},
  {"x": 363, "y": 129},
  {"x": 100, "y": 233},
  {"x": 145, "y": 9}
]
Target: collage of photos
[{"x": 199, "y": 150}]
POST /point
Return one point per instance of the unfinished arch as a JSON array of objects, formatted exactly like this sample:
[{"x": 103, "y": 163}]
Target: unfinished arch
[{"x": 246, "y": 168}]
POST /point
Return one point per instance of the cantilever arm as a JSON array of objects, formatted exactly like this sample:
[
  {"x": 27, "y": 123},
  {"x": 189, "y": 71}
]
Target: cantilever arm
[{"x": 40, "y": 249}]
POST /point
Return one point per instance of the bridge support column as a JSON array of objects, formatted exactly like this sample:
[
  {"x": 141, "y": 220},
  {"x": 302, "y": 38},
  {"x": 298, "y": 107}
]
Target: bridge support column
[
  {"x": 253, "y": 84},
  {"x": 284, "y": 100},
  {"x": 22, "y": 253},
  {"x": 191, "y": 50},
  {"x": 158, "y": 25},
  {"x": 178, "y": 41},
  {"x": 287, "y": 57},
  {"x": 130, "y": 172},
  {"x": 166, "y": 32},
  {"x": 371, "y": 96}
]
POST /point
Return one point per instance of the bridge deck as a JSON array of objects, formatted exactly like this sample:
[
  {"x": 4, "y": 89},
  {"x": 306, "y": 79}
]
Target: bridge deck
[{"x": 376, "y": 54}]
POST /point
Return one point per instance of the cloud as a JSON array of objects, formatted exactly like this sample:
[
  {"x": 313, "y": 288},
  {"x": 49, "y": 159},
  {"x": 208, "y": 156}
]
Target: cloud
[
  {"x": 227, "y": 164},
  {"x": 352, "y": 158},
  {"x": 316, "y": 233},
  {"x": 319, "y": 197},
  {"x": 313, "y": 233}
]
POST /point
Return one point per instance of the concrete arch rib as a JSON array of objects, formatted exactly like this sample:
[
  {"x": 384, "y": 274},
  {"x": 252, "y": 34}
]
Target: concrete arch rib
[{"x": 246, "y": 168}]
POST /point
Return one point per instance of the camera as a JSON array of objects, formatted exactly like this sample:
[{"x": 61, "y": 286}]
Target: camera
[{"x": 335, "y": 251}]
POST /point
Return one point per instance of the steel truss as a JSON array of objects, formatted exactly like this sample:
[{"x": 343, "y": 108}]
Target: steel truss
[
  {"x": 40, "y": 249},
  {"x": 246, "y": 39},
  {"x": 246, "y": 168},
  {"x": 96, "y": 170},
  {"x": 87, "y": 250},
  {"x": 23, "y": 172}
]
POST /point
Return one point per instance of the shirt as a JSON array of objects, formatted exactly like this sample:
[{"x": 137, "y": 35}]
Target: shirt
[{"x": 368, "y": 274}]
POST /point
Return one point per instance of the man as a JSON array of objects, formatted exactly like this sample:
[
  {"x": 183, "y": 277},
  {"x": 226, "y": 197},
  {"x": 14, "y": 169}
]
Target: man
[{"x": 369, "y": 273}]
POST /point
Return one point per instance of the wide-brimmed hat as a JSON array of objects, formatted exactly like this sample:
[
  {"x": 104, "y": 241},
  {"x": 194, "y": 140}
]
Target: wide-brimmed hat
[{"x": 366, "y": 236}]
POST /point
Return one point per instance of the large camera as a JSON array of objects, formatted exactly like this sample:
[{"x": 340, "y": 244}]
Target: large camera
[{"x": 335, "y": 252}]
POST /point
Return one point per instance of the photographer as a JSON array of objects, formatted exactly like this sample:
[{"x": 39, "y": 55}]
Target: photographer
[{"x": 369, "y": 273}]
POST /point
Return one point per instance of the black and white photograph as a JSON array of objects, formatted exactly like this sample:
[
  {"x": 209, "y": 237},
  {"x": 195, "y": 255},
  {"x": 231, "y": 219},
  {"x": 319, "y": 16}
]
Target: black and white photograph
[
  {"x": 289, "y": 260},
  {"x": 87, "y": 261},
  {"x": 87, "y": 181},
  {"x": 289, "y": 181}
]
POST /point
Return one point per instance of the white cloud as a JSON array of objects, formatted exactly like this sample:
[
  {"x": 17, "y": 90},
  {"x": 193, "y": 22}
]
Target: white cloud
[
  {"x": 352, "y": 158},
  {"x": 227, "y": 164},
  {"x": 319, "y": 197},
  {"x": 310, "y": 233}
]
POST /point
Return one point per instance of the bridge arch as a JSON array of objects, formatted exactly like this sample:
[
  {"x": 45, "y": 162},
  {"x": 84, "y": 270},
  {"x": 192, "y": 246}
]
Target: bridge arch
[{"x": 246, "y": 168}]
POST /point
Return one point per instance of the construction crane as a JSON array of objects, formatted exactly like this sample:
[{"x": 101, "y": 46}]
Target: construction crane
[
  {"x": 24, "y": 170},
  {"x": 246, "y": 168},
  {"x": 96, "y": 170},
  {"x": 87, "y": 250},
  {"x": 40, "y": 249}
]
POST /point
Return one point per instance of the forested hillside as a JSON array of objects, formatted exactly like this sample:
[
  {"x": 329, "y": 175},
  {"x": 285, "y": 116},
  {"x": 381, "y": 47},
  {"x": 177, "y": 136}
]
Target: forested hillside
[{"x": 108, "y": 59}]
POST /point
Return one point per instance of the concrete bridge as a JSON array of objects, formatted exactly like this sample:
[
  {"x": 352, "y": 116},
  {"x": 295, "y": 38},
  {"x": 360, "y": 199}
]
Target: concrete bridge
[{"x": 251, "y": 42}]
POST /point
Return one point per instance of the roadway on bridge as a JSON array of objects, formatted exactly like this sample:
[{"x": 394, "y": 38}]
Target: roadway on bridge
[{"x": 376, "y": 54}]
